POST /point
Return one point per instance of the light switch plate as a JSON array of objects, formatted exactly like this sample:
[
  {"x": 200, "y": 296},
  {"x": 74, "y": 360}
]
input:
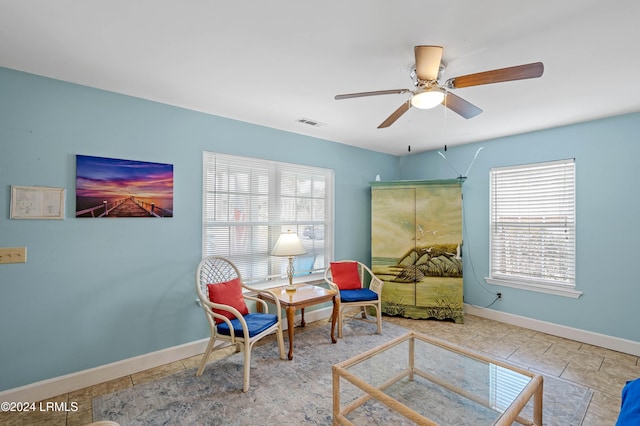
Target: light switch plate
[{"x": 13, "y": 255}]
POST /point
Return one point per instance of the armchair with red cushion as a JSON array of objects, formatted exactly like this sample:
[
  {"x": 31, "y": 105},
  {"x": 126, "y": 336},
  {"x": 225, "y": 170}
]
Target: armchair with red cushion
[
  {"x": 222, "y": 297},
  {"x": 348, "y": 278}
]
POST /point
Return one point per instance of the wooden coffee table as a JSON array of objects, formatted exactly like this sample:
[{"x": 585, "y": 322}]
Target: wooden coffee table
[
  {"x": 305, "y": 295},
  {"x": 431, "y": 382}
]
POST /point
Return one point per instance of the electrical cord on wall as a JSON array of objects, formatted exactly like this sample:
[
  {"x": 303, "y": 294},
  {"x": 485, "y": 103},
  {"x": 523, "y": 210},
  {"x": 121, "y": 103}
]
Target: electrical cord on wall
[
  {"x": 488, "y": 306},
  {"x": 465, "y": 237}
]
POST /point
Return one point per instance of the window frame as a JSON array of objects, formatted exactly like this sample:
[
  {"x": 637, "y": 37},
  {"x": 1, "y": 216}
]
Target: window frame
[
  {"x": 265, "y": 186},
  {"x": 500, "y": 273}
]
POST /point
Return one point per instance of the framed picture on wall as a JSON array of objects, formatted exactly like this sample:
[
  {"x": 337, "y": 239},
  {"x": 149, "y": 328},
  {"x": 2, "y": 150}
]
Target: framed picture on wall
[
  {"x": 37, "y": 202},
  {"x": 110, "y": 187}
]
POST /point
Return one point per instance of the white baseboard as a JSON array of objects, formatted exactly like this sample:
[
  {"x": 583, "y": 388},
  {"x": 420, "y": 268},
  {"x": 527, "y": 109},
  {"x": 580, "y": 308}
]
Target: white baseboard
[
  {"x": 584, "y": 336},
  {"x": 81, "y": 379},
  {"x": 71, "y": 382},
  {"x": 44, "y": 389}
]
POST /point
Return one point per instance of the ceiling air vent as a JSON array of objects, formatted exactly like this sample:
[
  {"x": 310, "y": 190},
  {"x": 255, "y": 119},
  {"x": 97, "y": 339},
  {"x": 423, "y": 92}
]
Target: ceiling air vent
[{"x": 314, "y": 123}]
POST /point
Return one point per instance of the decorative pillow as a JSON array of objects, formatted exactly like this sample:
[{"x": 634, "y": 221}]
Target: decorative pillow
[
  {"x": 345, "y": 275},
  {"x": 228, "y": 293}
]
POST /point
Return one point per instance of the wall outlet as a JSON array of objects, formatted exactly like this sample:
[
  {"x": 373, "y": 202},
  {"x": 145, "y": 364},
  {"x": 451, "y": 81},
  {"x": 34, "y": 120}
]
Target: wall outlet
[{"x": 13, "y": 255}]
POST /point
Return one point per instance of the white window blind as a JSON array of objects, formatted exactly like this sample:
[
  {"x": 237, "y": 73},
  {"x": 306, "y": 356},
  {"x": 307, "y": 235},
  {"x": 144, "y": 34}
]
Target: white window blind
[
  {"x": 533, "y": 224},
  {"x": 248, "y": 203}
]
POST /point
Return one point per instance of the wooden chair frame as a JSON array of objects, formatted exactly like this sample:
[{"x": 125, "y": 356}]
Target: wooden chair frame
[
  {"x": 216, "y": 269},
  {"x": 375, "y": 284}
]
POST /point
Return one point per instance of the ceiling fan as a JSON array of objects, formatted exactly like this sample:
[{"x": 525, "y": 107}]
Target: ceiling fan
[{"x": 430, "y": 92}]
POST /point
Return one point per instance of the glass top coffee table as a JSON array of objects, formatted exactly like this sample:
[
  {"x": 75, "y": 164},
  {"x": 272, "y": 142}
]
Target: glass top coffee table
[{"x": 418, "y": 379}]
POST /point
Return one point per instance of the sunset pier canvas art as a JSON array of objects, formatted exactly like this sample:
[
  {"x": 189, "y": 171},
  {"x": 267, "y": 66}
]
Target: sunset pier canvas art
[{"x": 109, "y": 187}]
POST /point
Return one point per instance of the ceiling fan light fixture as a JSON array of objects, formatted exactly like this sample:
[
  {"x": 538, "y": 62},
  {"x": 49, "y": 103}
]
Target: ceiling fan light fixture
[{"x": 428, "y": 98}]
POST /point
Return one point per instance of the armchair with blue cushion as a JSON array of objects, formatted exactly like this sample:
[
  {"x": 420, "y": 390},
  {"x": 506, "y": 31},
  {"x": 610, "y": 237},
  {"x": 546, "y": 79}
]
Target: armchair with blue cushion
[
  {"x": 220, "y": 291},
  {"x": 348, "y": 278}
]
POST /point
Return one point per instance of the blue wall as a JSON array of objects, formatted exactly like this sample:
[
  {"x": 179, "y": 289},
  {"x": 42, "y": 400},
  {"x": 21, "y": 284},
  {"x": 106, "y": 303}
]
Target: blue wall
[
  {"x": 99, "y": 291},
  {"x": 607, "y": 154}
]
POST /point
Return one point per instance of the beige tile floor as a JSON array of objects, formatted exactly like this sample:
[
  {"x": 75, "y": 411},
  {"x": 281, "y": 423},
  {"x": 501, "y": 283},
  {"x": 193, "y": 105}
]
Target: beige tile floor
[{"x": 603, "y": 370}]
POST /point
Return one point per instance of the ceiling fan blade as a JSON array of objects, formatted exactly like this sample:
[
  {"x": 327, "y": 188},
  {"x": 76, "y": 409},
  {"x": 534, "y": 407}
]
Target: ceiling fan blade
[
  {"x": 458, "y": 105},
  {"x": 375, "y": 93},
  {"x": 519, "y": 72},
  {"x": 395, "y": 115},
  {"x": 427, "y": 62}
]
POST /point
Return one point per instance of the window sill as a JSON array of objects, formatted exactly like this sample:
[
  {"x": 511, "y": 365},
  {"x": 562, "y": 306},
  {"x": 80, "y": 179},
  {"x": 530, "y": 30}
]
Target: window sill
[
  {"x": 540, "y": 288},
  {"x": 314, "y": 279}
]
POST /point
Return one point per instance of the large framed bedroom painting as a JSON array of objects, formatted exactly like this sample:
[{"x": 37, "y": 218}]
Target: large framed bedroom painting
[{"x": 110, "y": 187}]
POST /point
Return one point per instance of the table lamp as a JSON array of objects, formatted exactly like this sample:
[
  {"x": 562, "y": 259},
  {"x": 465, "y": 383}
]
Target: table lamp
[{"x": 288, "y": 245}]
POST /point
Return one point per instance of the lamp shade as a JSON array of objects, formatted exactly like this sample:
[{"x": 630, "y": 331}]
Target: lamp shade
[{"x": 288, "y": 244}]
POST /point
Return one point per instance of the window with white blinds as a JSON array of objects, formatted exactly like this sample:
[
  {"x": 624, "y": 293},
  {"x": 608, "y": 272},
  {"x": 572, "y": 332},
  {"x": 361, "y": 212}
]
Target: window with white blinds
[
  {"x": 248, "y": 203},
  {"x": 533, "y": 226}
]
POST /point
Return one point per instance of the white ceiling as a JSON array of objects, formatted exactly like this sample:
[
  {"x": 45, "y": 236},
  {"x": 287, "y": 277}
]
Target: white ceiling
[{"x": 273, "y": 62}]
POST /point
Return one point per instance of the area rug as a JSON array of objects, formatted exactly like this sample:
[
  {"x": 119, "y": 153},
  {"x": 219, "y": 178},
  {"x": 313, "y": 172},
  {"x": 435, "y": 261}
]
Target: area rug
[{"x": 296, "y": 392}]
